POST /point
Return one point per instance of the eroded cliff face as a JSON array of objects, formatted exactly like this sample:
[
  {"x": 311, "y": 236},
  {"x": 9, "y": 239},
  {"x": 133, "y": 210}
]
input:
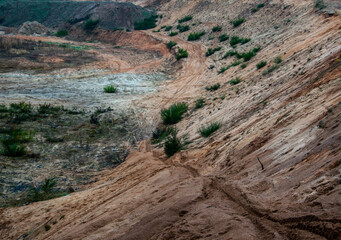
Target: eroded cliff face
[{"x": 286, "y": 118}]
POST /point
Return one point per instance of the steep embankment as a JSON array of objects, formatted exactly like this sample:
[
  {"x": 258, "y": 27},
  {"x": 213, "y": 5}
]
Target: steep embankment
[
  {"x": 56, "y": 14},
  {"x": 287, "y": 117}
]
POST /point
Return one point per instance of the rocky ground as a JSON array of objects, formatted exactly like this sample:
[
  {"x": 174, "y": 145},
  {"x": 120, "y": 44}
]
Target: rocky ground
[{"x": 271, "y": 171}]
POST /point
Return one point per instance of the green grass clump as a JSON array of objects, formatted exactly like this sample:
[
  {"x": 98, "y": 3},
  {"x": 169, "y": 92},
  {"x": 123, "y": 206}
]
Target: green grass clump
[
  {"x": 244, "y": 65},
  {"x": 168, "y": 28},
  {"x": 182, "y": 53},
  {"x": 44, "y": 191},
  {"x": 147, "y": 23},
  {"x": 183, "y": 28},
  {"x": 235, "y": 81},
  {"x": 223, "y": 69},
  {"x": 270, "y": 69},
  {"x": 261, "y": 64},
  {"x": 216, "y": 29},
  {"x": 223, "y": 37},
  {"x": 110, "y": 89},
  {"x": 195, "y": 36},
  {"x": 185, "y": 19},
  {"x": 173, "y": 114},
  {"x": 47, "y": 108},
  {"x": 320, "y": 4},
  {"x": 277, "y": 60},
  {"x": 3, "y": 108},
  {"x": 199, "y": 103},
  {"x": 237, "y": 22},
  {"x": 21, "y": 107},
  {"x": 230, "y": 54},
  {"x": 213, "y": 88},
  {"x": 12, "y": 142},
  {"x": 173, "y": 144},
  {"x": 256, "y": 49},
  {"x": 247, "y": 55},
  {"x": 171, "y": 44},
  {"x": 61, "y": 33},
  {"x": 260, "y": 5},
  {"x": 161, "y": 134},
  {"x": 211, "y": 51},
  {"x": 173, "y": 34},
  {"x": 235, "y": 40},
  {"x": 208, "y": 130},
  {"x": 90, "y": 24}
]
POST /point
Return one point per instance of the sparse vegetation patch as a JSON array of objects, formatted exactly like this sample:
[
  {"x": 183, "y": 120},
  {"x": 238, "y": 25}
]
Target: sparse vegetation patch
[
  {"x": 211, "y": 51},
  {"x": 213, "y": 88},
  {"x": 237, "y": 22},
  {"x": 110, "y": 89},
  {"x": 182, "y": 53},
  {"x": 183, "y": 28},
  {"x": 216, "y": 29},
  {"x": 261, "y": 64},
  {"x": 223, "y": 37},
  {"x": 171, "y": 44},
  {"x": 173, "y": 114},
  {"x": 195, "y": 36},
  {"x": 185, "y": 19},
  {"x": 208, "y": 130},
  {"x": 147, "y": 23},
  {"x": 235, "y": 40}
]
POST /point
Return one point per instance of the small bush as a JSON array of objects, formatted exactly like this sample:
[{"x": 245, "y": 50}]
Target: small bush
[
  {"x": 237, "y": 22},
  {"x": 213, "y": 88},
  {"x": 216, "y": 29},
  {"x": 61, "y": 33},
  {"x": 223, "y": 37},
  {"x": 171, "y": 44},
  {"x": 256, "y": 49},
  {"x": 244, "y": 65},
  {"x": 147, "y": 23},
  {"x": 173, "y": 144},
  {"x": 3, "y": 108},
  {"x": 208, "y": 130},
  {"x": 229, "y": 54},
  {"x": 261, "y": 64},
  {"x": 47, "y": 108},
  {"x": 110, "y": 89},
  {"x": 320, "y": 4},
  {"x": 199, "y": 103},
  {"x": 235, "y": 81},
  {"x": 246, "y": 56},
  {"x": 254, "y": 10},
  {"x": 173, "y": 34},
  {"x": 223, "y": 69},
  {"x": 182, "y": 53},
  {"x": 168, "y": 28},
  {"x": 183, "y": 28},
  {"x": 174, "y": 113},
  {"x": 260, "y": 5},
  {"x": 44, "y": 191},
  {"x": 235, "y": 40},
  {"x": 278, "y": 60},
  {"x": 195, "y": 36},
  {"x": 90, "y": 24},
  {"x": 21, "y": 107},
  {"x": 270, "y": 69},
  {"x": 161, "y": 133},
  {"x": 12, "y": 143},
  {"x": 185, "y": 19},
  {"x": 235, "y": 63},
  {"x": 211, "y": 51}
]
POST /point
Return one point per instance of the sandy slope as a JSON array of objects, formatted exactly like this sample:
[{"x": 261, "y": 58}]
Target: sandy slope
[{"x": 216, "y": 188}]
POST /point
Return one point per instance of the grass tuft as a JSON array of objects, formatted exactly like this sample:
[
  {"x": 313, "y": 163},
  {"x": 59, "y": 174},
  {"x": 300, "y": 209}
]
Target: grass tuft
[
  {"x": 261, "y": 64},
  {"x": 223, "y": 37},
  {"x": 173, "y": 144},
  {"x": 199, "y": 103},
  {"x": 182, "y": 53},
  {"x": 171, "y": 44},
  {"x": 195, "y": 36},
  {"x": 235, "y": 81},
  {"x": 213, "y": 88},
  {"x": 173, "y": 114},
  {"x": 110, "y": 89},
  {"x": 237, "y": 22},
  {"x": 208, "y": 130},
  {"x": 185, "y": 19},
  {"x": 216, "y": 29}
]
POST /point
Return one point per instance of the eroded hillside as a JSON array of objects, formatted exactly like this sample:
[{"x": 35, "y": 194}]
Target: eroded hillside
[{"x": 271, "y": 170}]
